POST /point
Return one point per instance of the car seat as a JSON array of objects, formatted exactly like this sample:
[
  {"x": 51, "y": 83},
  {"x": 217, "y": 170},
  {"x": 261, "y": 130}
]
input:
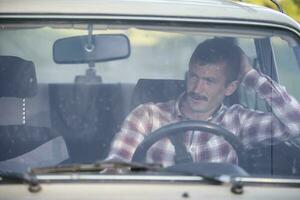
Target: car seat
[{"x": 24, "y": 146}]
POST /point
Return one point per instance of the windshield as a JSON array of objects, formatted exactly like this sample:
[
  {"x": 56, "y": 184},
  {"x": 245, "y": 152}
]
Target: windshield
[{"x": 103, "y": 95}]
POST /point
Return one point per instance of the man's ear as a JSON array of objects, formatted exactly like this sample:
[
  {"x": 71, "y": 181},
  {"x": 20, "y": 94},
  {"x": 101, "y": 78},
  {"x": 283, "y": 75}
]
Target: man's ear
[
  {"x": 185, "y": 80},
  {"x": 231, "y": 88}
]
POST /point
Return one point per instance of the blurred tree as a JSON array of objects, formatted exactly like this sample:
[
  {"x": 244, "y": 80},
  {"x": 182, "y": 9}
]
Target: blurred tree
[{"x": 290, "y": 7}]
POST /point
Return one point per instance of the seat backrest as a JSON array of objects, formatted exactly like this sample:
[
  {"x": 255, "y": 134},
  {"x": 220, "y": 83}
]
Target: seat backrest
[
  {"x": 23, "y": 146},
  {"x": 88, "y": 116},
  {"x": 158, "y": 90}
]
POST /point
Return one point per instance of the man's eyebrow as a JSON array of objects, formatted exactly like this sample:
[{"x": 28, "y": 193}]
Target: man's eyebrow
[{"x": 209, "y": 78}]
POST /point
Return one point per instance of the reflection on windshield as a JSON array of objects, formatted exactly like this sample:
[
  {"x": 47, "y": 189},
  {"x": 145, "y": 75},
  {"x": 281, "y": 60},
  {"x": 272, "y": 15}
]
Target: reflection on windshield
[{"x": 55, "y": 113}]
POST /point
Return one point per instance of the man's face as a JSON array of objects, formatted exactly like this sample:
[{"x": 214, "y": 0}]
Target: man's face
[{"x": 206, "y": 87}]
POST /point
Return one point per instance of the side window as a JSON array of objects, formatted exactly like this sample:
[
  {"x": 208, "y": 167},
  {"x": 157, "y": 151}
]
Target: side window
[
  {"x": 288, "y": 68},
  {"x": 286, "y": 55},
  {"x": 274, "y": 57},
  {"x": 266, "y": 54},
  {"x": 248, "y": 98}
]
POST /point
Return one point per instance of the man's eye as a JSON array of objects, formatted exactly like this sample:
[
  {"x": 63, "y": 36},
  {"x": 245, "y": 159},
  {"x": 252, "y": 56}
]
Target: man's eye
[{"x": 210, "y": 81}]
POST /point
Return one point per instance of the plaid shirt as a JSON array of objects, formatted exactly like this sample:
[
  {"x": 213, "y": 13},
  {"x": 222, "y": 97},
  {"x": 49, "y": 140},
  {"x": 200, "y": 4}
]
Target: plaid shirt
[{"x": 250, "y": 126}]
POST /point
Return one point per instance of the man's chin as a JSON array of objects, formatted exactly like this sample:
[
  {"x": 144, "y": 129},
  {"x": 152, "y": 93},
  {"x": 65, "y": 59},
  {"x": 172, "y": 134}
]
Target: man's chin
[{"x": 199, "y": 109}]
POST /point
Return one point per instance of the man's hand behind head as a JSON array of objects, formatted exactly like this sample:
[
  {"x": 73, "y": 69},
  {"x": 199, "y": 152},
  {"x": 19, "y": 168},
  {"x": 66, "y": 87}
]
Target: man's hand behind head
[{"x": 245, "y": 66}]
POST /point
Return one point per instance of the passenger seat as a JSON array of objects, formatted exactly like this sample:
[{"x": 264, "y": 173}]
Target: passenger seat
[{"x": 24, "y": 145}]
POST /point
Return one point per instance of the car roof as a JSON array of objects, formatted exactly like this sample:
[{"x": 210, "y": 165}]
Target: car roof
[{"x": 180, "y": 9}]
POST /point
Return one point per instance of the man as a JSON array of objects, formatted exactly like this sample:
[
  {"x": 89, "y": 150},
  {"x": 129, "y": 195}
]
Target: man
[{"x": 216, "y": 68}]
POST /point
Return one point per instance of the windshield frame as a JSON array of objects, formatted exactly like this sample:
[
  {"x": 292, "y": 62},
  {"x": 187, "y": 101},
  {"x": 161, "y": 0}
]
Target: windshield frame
[{"x": 187, "y": 24}]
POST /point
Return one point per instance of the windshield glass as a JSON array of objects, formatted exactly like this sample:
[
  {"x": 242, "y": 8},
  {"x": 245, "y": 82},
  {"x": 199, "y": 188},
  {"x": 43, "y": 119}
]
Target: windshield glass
[{"x": 103, "y": 94}]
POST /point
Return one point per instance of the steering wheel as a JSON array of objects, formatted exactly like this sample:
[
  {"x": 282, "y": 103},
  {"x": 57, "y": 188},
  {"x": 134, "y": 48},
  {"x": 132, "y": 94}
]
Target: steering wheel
[{"x": 183, "y": 126}]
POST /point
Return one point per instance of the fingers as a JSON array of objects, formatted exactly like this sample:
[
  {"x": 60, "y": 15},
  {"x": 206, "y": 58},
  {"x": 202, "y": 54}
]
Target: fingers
[{"x": 245, "y": 66}]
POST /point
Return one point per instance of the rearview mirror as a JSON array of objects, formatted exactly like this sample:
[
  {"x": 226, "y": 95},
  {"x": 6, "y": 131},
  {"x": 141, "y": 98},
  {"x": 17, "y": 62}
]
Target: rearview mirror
[{"x": 93, "y": 48}]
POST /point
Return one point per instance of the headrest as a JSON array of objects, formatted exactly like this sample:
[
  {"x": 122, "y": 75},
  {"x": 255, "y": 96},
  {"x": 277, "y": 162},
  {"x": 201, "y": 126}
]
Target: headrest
[
  {"x": 17, "y": 77},
  {"x": 156, "y": 90}
]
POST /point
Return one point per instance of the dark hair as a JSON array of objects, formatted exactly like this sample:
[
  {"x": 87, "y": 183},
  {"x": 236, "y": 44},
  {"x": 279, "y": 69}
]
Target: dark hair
[{"x": 219, "y": 50}]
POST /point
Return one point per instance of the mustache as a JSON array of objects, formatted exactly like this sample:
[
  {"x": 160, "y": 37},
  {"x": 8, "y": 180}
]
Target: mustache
[{"x": 196, "y": 96}]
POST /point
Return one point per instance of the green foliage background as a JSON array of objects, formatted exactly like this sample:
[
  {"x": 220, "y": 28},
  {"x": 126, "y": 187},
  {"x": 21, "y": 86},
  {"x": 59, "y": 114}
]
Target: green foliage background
[{"x": 290, "y": 7}]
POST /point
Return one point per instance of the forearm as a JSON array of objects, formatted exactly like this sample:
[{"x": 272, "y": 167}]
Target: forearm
[
  {"x": 135, "y": 127},
  {"x": 124, "y": 145},
  {"x": 285, "y": 107}
]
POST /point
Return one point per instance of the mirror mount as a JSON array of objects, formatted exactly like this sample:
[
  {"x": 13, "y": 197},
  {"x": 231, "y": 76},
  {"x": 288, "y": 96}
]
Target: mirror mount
[
  {"x": 90, "y": 46},
  {"x": 90, "y": 76}
]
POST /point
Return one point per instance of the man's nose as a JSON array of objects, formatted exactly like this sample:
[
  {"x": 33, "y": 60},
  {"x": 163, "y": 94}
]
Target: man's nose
[{"x": 200, "y": 86}]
